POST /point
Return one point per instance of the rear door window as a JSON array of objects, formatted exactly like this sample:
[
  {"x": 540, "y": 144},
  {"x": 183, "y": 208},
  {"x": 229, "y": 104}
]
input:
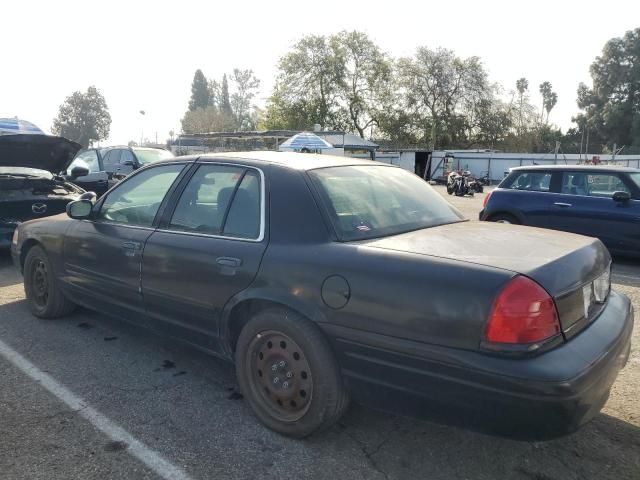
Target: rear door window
[
  {"x": 592, "y": 184},
  {"x": 532, "y": 181},
  {"x": 205, "y": 200},
  {"x": 111, "y": 161}
]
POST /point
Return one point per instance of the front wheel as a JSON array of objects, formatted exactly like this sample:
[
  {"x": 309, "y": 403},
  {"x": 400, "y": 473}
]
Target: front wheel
[
  {"x": 44, "y": 297},
  {"x": 288, "y": 374}
]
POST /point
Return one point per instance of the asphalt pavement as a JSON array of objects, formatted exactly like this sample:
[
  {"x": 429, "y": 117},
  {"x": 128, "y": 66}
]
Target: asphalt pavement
[{"x": 89, "y": 396}]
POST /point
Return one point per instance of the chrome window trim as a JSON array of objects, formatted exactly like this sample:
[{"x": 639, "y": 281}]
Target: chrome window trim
[{"x": 261, "y": 233}]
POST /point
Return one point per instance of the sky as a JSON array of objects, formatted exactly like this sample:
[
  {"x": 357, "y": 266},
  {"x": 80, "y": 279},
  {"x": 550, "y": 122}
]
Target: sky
[{"x": 142, "y": 54}]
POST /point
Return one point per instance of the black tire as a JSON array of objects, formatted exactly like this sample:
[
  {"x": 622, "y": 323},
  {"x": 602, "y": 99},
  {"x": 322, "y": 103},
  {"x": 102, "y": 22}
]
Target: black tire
[
  {"x": 449, "y": 190},
  {"x": 505, "y": 218},
  {"x": 316, "y": 397},
  {"x": 44, "y": 297}
]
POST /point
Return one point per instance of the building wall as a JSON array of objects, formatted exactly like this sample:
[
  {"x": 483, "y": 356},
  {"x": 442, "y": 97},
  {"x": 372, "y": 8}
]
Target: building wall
[{"x": 498, "y": 164}]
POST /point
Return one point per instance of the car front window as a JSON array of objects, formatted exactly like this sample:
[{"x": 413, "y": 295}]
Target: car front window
[
  {"x": 149, "y": 156},
  {"x": 136, "y": 201},
  {"x": 374, "y": 201}
]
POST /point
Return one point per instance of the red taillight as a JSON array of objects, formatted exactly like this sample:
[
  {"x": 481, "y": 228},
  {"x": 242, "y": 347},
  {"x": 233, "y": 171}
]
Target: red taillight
[
  {"x": 486, "y": 199},
  {"x": 522, "y": 313}
]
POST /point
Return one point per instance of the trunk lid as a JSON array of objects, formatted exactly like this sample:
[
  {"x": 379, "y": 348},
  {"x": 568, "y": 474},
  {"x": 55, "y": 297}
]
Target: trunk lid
[
  {"x": 561, "y": 262},
  {"x": 45, "y": 152}
]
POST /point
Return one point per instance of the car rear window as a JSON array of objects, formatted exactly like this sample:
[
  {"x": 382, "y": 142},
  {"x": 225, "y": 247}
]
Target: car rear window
[{"x": 373, "y": 201}]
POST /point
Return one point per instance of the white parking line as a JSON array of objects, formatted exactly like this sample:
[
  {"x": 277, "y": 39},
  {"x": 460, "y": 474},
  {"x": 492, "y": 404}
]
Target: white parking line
[{"x": 146, "y": 455}]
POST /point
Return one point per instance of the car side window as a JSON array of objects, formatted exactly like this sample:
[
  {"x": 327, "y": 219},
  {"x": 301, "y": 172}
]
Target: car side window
[
  {"x": 532, "y": 181},
  {"x": 127, "y": 156},
  {"x": 592, "y": 184},
  {"x": 136, "y": 201},
  {"x": 111, "y": 161},
  {"x": 243, "y": 219},
  {"x": 88, "y": 159},
  {"x": 204, "y": 202}
]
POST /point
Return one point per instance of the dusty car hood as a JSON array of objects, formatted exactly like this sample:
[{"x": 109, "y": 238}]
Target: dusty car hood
[
  {"x": 44, "y": 152},
  {"x": 559, "y": 261}
]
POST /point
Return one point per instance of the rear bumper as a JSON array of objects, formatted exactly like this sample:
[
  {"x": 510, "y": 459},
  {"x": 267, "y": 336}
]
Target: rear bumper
[{"x": 539, "y": 397}]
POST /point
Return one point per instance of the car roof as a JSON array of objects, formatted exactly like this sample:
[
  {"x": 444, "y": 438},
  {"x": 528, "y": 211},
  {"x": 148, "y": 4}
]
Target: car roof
[
  {"x": 293, "y": 160},
  {"x": 604, "y": 168}
]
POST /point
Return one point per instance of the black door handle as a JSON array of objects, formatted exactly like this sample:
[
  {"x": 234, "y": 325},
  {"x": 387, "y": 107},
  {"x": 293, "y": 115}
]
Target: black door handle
[{"x": 228, "y": 261}]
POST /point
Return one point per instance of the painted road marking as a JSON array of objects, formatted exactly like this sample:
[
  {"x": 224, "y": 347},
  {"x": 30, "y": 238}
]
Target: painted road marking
[{"x": 152, "y": 459}]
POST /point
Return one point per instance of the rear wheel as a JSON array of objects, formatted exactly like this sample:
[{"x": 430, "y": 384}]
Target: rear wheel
[
  {"x": 505, "y": 218},
  {"x": 288, "y": 374},
  {"x": 44, "y": 297}
]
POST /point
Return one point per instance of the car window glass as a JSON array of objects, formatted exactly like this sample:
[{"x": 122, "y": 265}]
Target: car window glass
[
  {"x": 111, "y": 161},
  {"x": 205, "y": 199},
  {"x": 592, "y": 185},
  {"x": 88, "y": 159},
  {"x": 367, "y": 201},
  {"x": 532, "y": 181},
  {"x": 136, "y": 201},
  {"x": 243, "y": 220},
  {"x": 126, "y": 156}
]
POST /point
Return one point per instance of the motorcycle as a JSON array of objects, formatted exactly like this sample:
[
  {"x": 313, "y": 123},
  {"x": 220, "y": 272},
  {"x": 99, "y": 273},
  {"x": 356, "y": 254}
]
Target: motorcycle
[
  {"x": 458, "y": 184},
  {"x": 475, "y": 185}
]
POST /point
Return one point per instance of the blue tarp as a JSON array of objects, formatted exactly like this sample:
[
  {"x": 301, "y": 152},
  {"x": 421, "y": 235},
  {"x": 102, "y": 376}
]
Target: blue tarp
[
  {"x": 14, "y": 126},
  {"x": 306, "y": 140}
]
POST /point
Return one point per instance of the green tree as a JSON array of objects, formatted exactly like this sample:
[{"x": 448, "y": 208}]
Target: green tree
[
  {"x": 365, "y": 79},
  {"x": 199, "y": 91},
  {"x": 549, "y": 100},
  {"x": 310, "y": 76},
  {"x": 83, "y": 117},
  {"x": 611, "y": 107},
  {"x": 522, "y": 85},
  {"x": 246, "y": 86},
  {"x": 225, "y": 103},
  {"x": 440, "y": 89},
  {"x": 207, "y": 119}
]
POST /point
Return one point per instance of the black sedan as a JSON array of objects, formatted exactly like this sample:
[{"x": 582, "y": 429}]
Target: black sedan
[
  {"x": 328, "y": 278},
  {"x": 29, "y": 184},
  {"x": 107, "y": 166}
]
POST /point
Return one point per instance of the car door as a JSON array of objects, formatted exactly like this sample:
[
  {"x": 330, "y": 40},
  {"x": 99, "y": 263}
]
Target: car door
[
  {"x": 585, "y": 206},
  {"x": 103, "y": 255},
  {"x": 206, "y": 250},
  {"x": 96, "y": 181},
  {"x": 529, "y": 195}
]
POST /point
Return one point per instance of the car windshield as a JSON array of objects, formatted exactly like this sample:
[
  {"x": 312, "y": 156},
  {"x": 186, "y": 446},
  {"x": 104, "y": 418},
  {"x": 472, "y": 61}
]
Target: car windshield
[
  {"x": 374, "y": 201},
  {"x": 146, "y": 156}
]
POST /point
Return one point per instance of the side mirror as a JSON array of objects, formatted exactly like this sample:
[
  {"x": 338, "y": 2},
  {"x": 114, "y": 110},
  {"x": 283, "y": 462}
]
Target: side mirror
[
  {"x": 79, "y": 171},
  {"x": 129, "y": 163},
  {"x": 621, "y": 197},
  {"x": 79, "y": 209}
]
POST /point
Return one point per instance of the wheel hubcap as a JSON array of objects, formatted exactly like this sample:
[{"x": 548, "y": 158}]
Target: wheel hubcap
[
  {"x": 40, "y": 283},
  {"x": 280, "y": 375}
]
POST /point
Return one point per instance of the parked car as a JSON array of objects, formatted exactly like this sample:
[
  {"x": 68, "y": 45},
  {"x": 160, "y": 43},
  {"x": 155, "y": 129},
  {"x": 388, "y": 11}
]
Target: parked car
[
  {"x": 107, "y": 166},
  {"x": 328, "y": 278},
  {"x": 28, "y": 186},
  {"x": 598, "y": 201}
]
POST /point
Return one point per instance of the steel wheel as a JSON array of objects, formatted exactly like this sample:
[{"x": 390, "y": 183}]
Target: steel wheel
[
  {"x": 280, "y": 375},
  {"x": 40, "y": 283}
]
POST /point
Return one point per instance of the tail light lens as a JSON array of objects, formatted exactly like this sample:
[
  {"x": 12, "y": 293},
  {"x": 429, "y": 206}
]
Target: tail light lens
[
  {"x": 486, "y": 199},
  {"x": 523, "y": 313}
]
